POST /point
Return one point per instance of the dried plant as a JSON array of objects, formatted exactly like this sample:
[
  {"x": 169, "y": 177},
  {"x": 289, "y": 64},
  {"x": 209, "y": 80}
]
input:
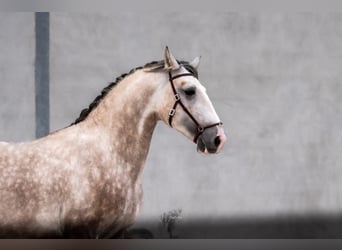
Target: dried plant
[{"x": 169, "y": 219}]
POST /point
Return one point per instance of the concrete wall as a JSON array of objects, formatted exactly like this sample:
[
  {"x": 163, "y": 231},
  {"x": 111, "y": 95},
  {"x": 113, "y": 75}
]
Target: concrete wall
[
  {"x": 275, "y": 80},
  {"x": 17, "y": 76}
]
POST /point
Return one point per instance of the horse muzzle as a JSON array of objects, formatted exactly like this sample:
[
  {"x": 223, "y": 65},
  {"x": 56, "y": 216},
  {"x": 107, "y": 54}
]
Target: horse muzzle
[{"x": 211, "y": 141}]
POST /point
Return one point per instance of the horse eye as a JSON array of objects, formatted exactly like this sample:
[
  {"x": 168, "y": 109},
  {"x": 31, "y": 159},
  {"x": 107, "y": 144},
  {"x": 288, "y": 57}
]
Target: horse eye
[{"x": 190, "y": 91}]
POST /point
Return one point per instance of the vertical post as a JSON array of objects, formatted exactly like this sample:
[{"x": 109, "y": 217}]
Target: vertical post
[{"x": 42, "y": 74}]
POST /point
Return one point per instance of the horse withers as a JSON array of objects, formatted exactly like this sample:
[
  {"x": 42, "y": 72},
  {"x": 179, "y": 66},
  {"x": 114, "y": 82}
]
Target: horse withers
[{"x": 84, "y": 180}]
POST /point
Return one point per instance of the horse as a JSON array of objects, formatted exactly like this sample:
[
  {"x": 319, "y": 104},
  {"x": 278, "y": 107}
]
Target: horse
[{"x": 83, "y": 181}]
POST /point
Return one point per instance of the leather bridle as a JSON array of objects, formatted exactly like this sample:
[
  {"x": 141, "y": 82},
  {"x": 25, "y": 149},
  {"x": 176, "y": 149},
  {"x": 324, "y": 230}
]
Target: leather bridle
[{"x": 172, "y": 112}]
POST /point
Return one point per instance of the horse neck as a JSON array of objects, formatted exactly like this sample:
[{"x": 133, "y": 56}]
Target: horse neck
[{"x": 128, "y": 118}]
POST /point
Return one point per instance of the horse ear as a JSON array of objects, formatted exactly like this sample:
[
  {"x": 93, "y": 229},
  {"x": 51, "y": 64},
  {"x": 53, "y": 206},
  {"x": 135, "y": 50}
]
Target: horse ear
[
  {"x": 170, "y": 62},
  {"x": 196, "y": 62}
]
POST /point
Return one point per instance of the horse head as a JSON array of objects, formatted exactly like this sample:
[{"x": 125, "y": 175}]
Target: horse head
[{"x": 187, "y": 107}]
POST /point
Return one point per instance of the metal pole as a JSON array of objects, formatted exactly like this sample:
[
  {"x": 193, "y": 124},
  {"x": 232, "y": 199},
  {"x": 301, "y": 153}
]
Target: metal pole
[{"x": 42, "y": 77}]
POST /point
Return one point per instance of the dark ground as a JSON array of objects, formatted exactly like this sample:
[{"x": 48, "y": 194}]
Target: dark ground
[{"x": 284, "y": 227}]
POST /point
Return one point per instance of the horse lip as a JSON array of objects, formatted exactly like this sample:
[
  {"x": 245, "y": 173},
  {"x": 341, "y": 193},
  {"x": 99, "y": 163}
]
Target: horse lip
[
  {"x": 202, "y": 148},
  {"x": 200, "y": 145},
  {"x": 211, "y": 151}
]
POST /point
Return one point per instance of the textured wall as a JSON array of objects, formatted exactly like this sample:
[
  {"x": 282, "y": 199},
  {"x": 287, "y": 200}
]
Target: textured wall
[
  {"x": 275, "y": 81},
  {"x": 17, "y": 76}
]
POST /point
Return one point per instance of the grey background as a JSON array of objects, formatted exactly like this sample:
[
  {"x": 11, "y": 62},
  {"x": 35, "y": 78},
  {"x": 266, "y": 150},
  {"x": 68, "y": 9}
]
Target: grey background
[
  {"x": 17, "y": 76},
  {"x": 273, "y": 78}
]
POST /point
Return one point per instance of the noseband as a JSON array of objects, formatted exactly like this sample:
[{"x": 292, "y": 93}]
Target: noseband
[{"x": 172, "y": 112}]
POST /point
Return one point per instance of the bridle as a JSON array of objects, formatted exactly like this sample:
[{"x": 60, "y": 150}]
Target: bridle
[{"x": 172, "y": 112}]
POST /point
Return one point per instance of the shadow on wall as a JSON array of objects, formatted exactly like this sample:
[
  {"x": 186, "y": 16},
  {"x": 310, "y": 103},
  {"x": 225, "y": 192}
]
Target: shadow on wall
[
  {"x": 285, "y": 227},
  {"x": 172, "y": 226}
]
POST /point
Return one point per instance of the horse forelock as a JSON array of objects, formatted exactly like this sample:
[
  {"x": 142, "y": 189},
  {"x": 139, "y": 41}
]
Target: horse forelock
[{"x": 156, "y": 65}]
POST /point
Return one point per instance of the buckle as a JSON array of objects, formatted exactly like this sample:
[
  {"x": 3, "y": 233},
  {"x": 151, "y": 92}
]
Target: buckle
[
  {"x": 177, "y": 97},
  {"x": 172, "y": 112}
]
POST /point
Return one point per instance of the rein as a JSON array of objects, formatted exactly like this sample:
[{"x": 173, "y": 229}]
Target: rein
[{"x": 178, "y": 100}]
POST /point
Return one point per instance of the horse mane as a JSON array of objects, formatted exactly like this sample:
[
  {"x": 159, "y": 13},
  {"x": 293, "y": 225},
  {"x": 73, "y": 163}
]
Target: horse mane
[{"x": 152, "y": 66}]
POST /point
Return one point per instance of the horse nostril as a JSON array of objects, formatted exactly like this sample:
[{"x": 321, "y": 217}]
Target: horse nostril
[{"x": 217, "y": 141}]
